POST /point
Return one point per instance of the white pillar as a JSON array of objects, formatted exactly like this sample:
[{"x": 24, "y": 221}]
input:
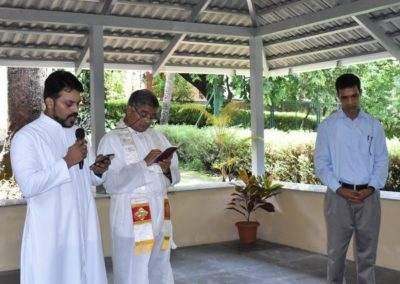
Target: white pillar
[
  {"x": 3, "y": 103},
  {"x": 97, "y": 95},
  {"x": 257, "y": 105}
]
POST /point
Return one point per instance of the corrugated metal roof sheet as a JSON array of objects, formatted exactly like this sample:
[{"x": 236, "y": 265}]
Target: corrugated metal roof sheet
[{"x": 341, "y": 37}]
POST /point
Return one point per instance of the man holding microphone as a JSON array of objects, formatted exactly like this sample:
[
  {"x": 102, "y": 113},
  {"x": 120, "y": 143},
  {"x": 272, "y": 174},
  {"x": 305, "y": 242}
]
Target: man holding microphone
[{"x": 61, "y": 241}]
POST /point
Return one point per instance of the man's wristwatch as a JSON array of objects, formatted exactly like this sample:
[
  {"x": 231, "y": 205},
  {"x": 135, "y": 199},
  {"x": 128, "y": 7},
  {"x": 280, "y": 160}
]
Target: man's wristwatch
[{"x": 371, "y": 188}]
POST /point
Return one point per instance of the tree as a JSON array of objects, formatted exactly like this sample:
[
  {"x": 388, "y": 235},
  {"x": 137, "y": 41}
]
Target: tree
[
  {"x": 182, "y": 90},
  {"x": 149, "y": 80},
  {"x": 380, "y": 82},
  {"x": 314, "y": 92},
  {"x": 211, "y": 86},
  {"x": 25, "y": 101},
  {"x": 274, "y": 93},
  {"x": 199, "y": 81},
  {"x": 216, "y": 89},
  {"x": 114, "y": 91},
  {"x": 241, "y": 87},
  {"x": 84, "y": 120},
  {"x": 166, "y": 105},
  {"x": 113, "y": 84},
  {"x": 224, "y": 138}
]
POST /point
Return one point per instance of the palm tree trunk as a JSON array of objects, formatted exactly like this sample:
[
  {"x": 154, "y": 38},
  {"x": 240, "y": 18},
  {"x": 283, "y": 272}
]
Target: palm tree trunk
[
  {"x": 169, "y": 86},
  {"x": 25, "y": 101}
]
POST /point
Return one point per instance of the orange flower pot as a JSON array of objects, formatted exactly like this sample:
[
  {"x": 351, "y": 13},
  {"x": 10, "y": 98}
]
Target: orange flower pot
[{"x": 247, "y": 232}]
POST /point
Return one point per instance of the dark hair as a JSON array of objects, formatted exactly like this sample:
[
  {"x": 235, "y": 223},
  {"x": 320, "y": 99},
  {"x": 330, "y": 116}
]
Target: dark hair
[
  {"x": 58, "y": 81},
  {"x": 347, "y": 81},
  {"x": 143, "y": 97}
]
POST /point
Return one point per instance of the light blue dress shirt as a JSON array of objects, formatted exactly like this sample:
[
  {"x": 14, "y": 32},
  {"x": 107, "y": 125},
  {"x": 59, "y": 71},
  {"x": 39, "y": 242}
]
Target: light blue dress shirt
[{"x": 351, "y": 151}]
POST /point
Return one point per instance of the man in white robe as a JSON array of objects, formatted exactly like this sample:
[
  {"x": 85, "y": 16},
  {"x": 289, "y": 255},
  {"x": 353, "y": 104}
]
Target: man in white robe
[
  {"x": 140, "y": 225},
  {"x": 61, "y": 240}
]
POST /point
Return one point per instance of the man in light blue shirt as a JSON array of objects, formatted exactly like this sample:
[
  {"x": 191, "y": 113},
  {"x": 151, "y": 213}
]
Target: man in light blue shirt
[{"x": 351, "y": 159}]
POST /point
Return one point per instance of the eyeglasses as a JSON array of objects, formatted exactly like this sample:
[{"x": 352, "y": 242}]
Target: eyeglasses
[{"x": 147, "y": 116}]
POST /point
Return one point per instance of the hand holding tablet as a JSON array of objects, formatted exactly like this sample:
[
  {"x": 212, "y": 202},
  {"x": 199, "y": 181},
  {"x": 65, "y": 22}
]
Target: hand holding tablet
[{"x": 166, "y": 153}]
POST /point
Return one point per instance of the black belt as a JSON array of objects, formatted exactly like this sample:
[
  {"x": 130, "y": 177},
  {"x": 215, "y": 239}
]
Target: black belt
[{"x": 354, "y": 186}]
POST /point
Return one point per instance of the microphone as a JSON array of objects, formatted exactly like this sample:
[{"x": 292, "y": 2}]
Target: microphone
[{"x": 80, "y": 135}]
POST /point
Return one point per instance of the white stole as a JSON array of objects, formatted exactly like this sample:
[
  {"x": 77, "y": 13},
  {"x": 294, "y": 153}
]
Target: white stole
[{"x": 141, "y": 213}]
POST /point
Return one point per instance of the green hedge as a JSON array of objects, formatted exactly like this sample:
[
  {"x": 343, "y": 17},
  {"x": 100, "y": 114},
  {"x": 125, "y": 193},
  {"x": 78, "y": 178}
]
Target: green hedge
[
  {"x": 282, "y": 120},
  {"x": 289, "y": 156},
  {"x": 187, "y": 116},
  {"x": 115, "y": 110},
  {"x": 179, "y": 115},
  {"x": 195, "y": 143},
  {"x": 285, "y": 121}
]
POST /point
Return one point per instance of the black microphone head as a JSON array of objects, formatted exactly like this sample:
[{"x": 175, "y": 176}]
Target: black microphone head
[{"x": 80, "y": 134}]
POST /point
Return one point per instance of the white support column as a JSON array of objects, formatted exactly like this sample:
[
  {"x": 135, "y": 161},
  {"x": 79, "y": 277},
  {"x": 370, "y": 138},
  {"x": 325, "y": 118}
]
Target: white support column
[
  {"x": 83, "y": 58},
  {"x": 253, "y": 13},
  {"x": 97, "y": 95},
  {"x": 257, "y": 105},
  {"x": 255, "y": 22},
  {"x": 3, "y": 103}
]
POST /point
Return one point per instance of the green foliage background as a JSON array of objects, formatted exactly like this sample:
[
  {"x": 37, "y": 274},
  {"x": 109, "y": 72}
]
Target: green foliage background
[
  {"x": 288, "y": 155},
  {"x": 292, "y": 102}
]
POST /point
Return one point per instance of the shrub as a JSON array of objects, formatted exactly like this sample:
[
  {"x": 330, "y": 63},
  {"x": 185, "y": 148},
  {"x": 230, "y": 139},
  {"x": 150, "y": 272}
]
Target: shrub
[
  {"x": 289, "y": 156},
  {"x": 187, "y": 115},
  {"x": 115, "y": 110},
  {"x": 197, "y": 151},
  {"x": 283, "y": 120},
  {"x": 183, "y": 114}
]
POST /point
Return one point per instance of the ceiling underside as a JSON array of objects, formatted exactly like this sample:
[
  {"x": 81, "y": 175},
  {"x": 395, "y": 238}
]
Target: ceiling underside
[{"x": 200, "y": 36}]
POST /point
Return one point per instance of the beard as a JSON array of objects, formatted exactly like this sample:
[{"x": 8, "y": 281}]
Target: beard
[{"x": 68, "y": 122}]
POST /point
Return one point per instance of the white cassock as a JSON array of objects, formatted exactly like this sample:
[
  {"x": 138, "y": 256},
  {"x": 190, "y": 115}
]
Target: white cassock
[
  {"x": 139, "y": 214},
  {"x": 61, "y": 241}
]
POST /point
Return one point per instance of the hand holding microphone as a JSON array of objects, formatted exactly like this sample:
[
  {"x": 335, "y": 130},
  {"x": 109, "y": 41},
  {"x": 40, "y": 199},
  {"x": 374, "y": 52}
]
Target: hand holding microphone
[
  {"x": 78, "y": 151},
  {"x": 80, "y": 135}
]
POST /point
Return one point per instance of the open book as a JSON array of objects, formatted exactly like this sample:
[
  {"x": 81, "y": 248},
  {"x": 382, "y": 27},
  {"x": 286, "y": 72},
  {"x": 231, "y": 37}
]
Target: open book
[{"x": 166, "y": 153}]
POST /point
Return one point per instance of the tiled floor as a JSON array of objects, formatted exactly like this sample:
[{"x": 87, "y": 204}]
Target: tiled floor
[{"x": 263, "y": 263}]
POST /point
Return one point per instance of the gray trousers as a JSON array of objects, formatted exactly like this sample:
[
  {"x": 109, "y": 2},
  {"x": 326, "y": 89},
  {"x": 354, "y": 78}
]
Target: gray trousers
[{"x": 343, "y": 218}]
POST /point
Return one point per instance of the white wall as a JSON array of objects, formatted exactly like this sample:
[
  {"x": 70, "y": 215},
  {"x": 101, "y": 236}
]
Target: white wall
[
  {"x": 301, "y": 224},
  {"x": 200, "y": 217}
]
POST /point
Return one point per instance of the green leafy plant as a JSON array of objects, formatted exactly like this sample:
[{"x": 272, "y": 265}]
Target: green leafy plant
[
  {"x": 253, "y": 194},
  {"x": 182, "y": 90},
  {"x": 227, "y": 162}
]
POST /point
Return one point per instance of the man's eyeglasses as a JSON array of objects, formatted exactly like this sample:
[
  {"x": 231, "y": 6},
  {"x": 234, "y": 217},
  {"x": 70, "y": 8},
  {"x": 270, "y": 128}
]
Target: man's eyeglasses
[{"x": 147, "y": 116}]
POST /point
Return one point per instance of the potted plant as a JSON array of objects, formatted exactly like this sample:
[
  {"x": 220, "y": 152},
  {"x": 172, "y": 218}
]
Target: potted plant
[{"x": 250, "y": 196}]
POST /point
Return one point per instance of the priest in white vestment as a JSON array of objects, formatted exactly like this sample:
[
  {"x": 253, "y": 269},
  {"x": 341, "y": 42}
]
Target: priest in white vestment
[
  {"x": 140, "y": 219},
  {"x": 61, "y": 241}
]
